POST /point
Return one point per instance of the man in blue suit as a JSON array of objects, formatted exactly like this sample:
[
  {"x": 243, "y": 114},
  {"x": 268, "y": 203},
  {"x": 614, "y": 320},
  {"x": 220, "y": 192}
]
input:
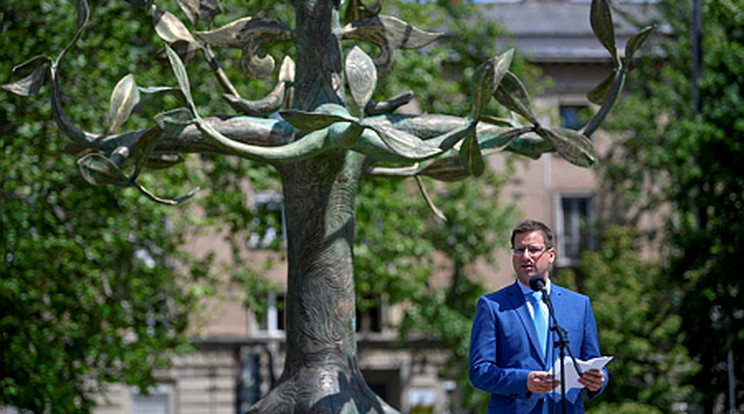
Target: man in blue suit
[{"x": 506, "y": 356}]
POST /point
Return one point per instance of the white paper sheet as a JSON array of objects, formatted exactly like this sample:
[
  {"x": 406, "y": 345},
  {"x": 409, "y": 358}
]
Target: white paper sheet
[{"x": 572, "y": 377}]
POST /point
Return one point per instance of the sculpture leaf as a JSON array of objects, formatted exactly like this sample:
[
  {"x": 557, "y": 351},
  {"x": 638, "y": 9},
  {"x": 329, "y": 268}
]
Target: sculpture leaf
[
  {"x": 97, "y": 169},
  {"x": 600, "y": 17},
  {"x": 165, "y": 201},
  {"x": 403, "y": 143},
  {"x": 143, "y": 148},
  {"x": 362, "y": 77},
  {"x": 261, "y": 107},
  {"x": 123, "y": 100},
  {"x": 200, "y": 9},
  {"x": 598, "y": 94},
  {"x": 503, "y": 140},
  {"x": 388, "y": 33},
  {"x": 190, "y": 8},
  {"x": 613, "y": 92},
  {"x": 174, "y": 121},
  {"x": 249, "y": 34},
  {"x": 170, "y": 28},
  {"x": 635, "y": 43},
  {"x": 486, "y": 79},
  {"x": 33, "y": 73},
  {"x": 451, "y": 138},
  {"x": 183, "y": 78},
  {"x": 405, "y": 36},
  {"x": 513, "y": 95},
  {"x": 176, "y": 92},
  {"x": 445, "y": 169},
  {"x": 271, "y": 102},
  {"x": 573, "y": 146},
  {"x": 471, "y": 156},
  {"x": 287, "y": 70},
  {"x": 209, "y": 8},
  {"x": 173, "y": 31},
  {"x": 388, "y": 29},
  {"x": 238, "y": 33},
  {"x": 356, "y": 9},
  {"x": 496, "y": 121}
]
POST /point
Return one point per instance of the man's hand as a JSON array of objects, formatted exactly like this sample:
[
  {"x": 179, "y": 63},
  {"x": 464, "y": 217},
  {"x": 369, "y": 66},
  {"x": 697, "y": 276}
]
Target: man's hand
[
  {"x": 592, "y": 379},
  {"x": 541, "y": 382}
]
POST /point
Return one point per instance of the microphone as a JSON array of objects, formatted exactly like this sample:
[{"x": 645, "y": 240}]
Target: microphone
[{"x": 537, "y": 283}]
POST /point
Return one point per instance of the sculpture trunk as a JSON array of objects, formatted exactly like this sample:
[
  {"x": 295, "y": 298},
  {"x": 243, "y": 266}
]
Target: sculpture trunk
[
  {"x": 318, "y": 78},
  {"x": 320, "y": 372}
]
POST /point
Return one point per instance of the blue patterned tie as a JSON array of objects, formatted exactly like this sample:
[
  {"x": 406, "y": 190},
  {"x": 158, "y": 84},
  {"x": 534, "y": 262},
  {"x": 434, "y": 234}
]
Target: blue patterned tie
[{"x": 540, "y": 318}]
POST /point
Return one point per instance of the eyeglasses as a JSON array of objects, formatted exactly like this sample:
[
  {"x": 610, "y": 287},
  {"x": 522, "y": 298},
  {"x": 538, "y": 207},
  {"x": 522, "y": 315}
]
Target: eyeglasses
[{"x": 531, "y": 250}]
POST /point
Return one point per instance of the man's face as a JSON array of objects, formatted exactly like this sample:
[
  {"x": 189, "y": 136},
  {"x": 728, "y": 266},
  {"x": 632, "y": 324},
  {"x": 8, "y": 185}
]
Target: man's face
[{"x": 530, "y": 256}]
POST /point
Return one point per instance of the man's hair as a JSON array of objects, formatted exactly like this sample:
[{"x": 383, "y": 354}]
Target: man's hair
[{"x": 528, "y": 226}]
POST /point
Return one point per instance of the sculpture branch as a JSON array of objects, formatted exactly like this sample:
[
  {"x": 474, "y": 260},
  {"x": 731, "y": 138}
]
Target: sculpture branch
[{"x": 312, "y": 144}]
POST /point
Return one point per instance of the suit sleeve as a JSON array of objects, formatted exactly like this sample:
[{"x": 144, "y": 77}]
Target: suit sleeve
[
  {"x": 590, "y": 346},
  {"x": 484, "y": 371}
]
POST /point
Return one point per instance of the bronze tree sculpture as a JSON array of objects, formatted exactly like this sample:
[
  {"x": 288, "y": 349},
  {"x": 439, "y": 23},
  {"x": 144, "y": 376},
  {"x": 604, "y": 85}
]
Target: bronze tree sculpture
[{"x": 321, "y": 152}]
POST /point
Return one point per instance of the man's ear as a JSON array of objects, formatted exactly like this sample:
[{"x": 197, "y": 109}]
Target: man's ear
[{"x": 552, "y": 254}]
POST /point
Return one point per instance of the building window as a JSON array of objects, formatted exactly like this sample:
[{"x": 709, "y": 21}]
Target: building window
[
  {"x": 252, "y": 384},
  {"x": 573, "y": 228},
  {"x": 156, "y": 402},
  {"x": 573, "y": 116},
  {"x": 369, "y": 315},
  {"x": 386, "y": 383},
  {"x": 268, "y": 224},
  {"x": 275, "y": 319}
]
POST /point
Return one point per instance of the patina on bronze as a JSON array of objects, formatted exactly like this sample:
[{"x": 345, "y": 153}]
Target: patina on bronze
[{"x": 321, "y": 151}]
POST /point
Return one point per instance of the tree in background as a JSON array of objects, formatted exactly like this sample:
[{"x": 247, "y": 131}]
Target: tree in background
[
  {"x": 684, "y": 158},
  {"x": 638, "y": 326},
  {"x": 320, "y": 150}
]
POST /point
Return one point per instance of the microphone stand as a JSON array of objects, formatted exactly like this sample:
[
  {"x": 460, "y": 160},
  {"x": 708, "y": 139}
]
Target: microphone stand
[{"x": 561, "y": 343}]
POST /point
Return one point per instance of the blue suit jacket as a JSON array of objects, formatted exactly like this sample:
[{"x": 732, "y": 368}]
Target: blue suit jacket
[{"x": 504, "y": 349}]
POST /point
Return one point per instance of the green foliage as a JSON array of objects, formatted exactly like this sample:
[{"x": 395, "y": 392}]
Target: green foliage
[
  {"x": 623, "y": 408},
  {"x": 93, "y": 289},
  {"x": 689, "y": 160},
  {"x": 637, "y": 325}
]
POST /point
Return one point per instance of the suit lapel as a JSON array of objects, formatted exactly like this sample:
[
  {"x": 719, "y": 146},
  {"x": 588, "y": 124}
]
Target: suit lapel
[{"x": 520, "y": 304}]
